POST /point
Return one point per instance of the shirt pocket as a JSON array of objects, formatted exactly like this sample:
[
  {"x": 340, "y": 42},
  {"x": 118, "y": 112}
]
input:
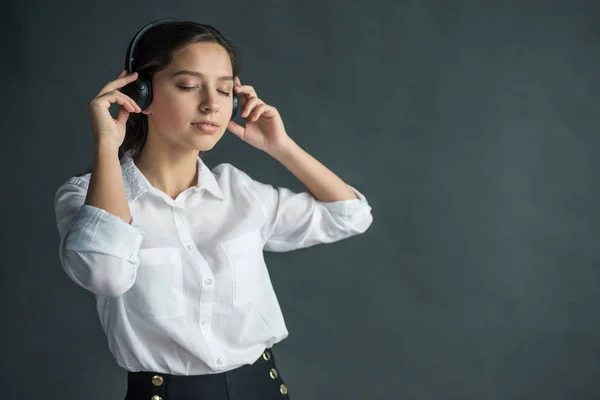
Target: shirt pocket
[
  {"x": 245, "y": 257},
  {"x": 158, "y": 288}
]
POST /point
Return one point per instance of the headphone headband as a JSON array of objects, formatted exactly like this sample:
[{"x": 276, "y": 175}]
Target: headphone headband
[{"x": 130, "y": 56}]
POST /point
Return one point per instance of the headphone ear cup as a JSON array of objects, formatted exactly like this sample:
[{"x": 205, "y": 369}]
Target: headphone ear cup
[
  {"x": 236, "y": 104},
  {"x": 140, "y": 91}
]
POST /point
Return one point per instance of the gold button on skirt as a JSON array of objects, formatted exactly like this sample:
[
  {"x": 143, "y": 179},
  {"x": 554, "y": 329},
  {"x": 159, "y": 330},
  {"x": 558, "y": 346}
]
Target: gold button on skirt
[
  {"x": 157, "y": 380},
  {"x": 283, "y": 389}
]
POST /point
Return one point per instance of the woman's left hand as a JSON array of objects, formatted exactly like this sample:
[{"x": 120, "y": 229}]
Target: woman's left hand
[{"x": 263, "y": 127}]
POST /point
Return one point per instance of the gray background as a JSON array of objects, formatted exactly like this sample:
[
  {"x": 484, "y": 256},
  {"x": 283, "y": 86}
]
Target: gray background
[{"x": 471, "y": 127}]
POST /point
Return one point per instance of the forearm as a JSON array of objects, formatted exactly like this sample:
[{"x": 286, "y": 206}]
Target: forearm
[
  {"x": 320, "y": 181},
  {"x": 106, "y": 189}
]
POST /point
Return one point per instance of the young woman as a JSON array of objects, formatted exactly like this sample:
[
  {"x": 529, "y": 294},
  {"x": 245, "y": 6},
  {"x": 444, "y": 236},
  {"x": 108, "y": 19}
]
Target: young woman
[{"x": 173, "y": 250}]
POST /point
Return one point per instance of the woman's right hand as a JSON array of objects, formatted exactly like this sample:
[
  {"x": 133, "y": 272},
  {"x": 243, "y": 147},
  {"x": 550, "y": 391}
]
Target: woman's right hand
[{"x": 105, "y": 128}]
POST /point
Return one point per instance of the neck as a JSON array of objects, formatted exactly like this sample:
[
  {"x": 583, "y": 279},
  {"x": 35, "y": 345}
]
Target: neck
[{"x": 168, "y": 171}]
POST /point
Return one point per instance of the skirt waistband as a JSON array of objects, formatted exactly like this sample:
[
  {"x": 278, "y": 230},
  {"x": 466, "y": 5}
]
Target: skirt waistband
[{"x": 260, "y": 377}]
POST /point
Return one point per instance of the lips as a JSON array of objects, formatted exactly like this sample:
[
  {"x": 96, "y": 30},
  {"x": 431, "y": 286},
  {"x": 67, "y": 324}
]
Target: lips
[
  {"x": 206, "y": 123},
  {"x": 207, "y": 127}
]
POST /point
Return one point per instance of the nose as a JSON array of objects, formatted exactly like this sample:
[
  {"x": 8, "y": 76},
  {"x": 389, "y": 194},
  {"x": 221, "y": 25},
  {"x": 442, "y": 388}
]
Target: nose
[{"x": 208, "y": 102}]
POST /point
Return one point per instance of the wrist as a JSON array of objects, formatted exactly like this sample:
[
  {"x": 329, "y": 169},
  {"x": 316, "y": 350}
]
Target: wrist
[
  {"x": 105, "y": 146},
  {"x": 284, "y": 148},
  {"x": 105, "y": 143}
]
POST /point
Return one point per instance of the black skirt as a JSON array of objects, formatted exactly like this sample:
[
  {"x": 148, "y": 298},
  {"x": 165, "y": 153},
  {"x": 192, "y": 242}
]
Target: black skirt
[{"x": 259, "y": 381}]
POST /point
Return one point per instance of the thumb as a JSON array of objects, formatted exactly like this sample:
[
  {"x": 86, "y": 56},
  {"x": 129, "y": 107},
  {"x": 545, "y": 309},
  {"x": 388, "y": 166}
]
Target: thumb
[{"x": 122, "y": 115}]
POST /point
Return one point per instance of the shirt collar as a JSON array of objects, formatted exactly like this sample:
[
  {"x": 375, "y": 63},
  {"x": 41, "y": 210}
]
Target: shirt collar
[{"x": 136, "y": 183}]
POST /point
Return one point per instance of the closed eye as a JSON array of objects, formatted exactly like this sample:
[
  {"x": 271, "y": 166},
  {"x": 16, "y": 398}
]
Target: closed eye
[{"x": 190, "y": 88}]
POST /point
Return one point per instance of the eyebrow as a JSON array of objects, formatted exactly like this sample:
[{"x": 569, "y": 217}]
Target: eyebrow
[{"x": 200, "y": 75}]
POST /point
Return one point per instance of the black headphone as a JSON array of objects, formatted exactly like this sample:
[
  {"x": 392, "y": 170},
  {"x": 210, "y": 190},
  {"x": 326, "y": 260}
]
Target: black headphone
[{"x": 140, "y": 90}]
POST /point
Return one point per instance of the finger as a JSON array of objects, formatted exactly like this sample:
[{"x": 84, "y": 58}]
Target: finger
[
  {"x": 122, "y": 115},
  {"x": 118, "y": 83},
  {"x": 122, "y": 74},
  {"x": 250, "y": 104},
  {"x": 131, "y": 104},
  {"x": 237, "y": 81},
  {"x": 114, "y": 95},
  {"x": 236, "y": 129},
  {"x": 247, "y": 90},
  {"x": 117, "y": 97},
  {"x": 257, "y": 112},
  {"x": 128, "y": 105}
]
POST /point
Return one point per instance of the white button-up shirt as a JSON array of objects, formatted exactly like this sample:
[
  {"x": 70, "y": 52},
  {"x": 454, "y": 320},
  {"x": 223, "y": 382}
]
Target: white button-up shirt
[{"x": 184, "y": 288}]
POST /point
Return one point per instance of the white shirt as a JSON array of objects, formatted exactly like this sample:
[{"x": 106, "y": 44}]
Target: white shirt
[{"x": 184, "y": 288}]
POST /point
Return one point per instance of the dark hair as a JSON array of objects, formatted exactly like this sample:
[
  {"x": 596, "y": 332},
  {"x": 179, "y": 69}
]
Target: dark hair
[{"x": 154, "y": 51}]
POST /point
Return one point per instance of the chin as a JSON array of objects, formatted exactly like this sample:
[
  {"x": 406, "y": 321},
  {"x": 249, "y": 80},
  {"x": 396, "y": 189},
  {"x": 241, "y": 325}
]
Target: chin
[
  {"x": 204, "y": 148},
  {"x": 205, "y": 143}
]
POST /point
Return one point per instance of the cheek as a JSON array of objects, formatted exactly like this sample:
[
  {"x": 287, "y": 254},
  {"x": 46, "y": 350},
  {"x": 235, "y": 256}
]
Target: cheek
[
  {"x": 227, "y": 108},
  {"x": 170, "y": 109}
]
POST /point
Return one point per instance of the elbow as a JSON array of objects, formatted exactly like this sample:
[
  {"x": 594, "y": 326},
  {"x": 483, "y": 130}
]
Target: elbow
[
  {"x": 100, "y": 274},
  {"x": 109, "y": 286},
  {"x": 368, "y": 222},
  {"x": 360, "y": 223}
]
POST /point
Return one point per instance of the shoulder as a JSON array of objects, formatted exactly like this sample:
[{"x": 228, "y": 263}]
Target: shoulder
[
  {"x": 232, "y": 179},
  {"x": 75, "y": 182},
  {"x": 73, "y": 186},
  {"x": 230, "y": 174},
  {"x": 82, "y": 181}
]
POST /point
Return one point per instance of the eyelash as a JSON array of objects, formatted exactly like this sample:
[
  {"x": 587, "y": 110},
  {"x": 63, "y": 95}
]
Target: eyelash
[{"x": 190, "y": 88}]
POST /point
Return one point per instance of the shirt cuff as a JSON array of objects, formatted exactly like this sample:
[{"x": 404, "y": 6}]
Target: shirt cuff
[
  {"x": 347, "y": 208},
  {"x": 97, "y": 230}
]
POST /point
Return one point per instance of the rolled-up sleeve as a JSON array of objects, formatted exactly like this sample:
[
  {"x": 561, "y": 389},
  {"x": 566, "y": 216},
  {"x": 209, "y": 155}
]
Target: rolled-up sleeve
[
  {"x": 298, "y": 220},
  {"x": 97, "y": 250}
]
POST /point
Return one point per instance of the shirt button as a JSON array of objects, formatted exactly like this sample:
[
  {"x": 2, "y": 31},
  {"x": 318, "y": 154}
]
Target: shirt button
[
  {"x": 190, "y": 247},
  {"x": 208, "y": 281},
  {"x": 219, "y": 361},
  {"x": 204, "y": 322}
]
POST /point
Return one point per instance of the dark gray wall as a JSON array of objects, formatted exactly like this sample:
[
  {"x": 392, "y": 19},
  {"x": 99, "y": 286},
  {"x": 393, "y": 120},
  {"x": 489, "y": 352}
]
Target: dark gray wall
[{"x": 472, "y": 128}]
